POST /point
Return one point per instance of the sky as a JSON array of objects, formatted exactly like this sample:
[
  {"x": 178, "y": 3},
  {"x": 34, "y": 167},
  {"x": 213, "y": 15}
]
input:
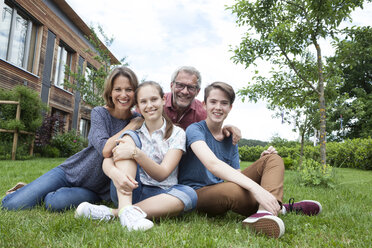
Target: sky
[{"x": 157, "y": 37}]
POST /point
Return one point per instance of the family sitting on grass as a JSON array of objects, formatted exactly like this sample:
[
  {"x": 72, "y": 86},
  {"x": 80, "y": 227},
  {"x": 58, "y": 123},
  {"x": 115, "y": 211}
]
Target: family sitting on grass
[{"x": 149, "y": 167}]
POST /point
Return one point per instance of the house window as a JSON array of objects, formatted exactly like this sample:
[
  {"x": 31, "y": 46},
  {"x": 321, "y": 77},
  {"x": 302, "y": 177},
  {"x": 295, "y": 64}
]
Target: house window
[
  {"x": 64, "y": 58},
  {"x": 17, "y": 36},
  {"x": 84, "y": 127}
]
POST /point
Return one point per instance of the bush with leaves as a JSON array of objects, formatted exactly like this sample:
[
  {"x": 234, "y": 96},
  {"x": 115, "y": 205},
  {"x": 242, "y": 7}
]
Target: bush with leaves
[
  {"x": 30, "y": 119},
  {"x": 23, "y": 147},
  {"x": 49, "y": 151},
  {"x": 69, "y": 143},
  {"x": 52, "y": 125},
  {"x": 352, "y": 153},
  {"x": 312, "y": 173},
  {"x": 355, "y": 153},
  {"x": 250, "y": 153},
  {"x": 31, "y": 109}
]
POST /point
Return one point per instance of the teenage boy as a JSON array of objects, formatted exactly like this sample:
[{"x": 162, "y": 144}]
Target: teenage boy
[{"x": 211, "y": 167}]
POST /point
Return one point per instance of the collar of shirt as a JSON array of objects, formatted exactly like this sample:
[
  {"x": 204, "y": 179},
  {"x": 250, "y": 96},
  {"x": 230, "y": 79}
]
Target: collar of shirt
[{"x": 145, "y": 131}]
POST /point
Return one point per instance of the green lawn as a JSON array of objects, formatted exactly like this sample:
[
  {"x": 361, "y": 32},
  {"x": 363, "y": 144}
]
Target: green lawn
[{"x": 345, "y": 221}]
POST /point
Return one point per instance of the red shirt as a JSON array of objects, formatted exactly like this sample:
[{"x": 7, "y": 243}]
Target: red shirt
[{"x": 194, "y": 113}]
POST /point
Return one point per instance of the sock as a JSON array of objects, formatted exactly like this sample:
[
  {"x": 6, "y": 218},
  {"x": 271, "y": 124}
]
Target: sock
[
  {"x": 283, "y": 210},
  {"x": 121, "y": 210}
]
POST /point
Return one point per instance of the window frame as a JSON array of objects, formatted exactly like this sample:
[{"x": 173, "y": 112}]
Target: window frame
[
  {"x": 29, "y": 44},
  {"x": 60, "y": 68}
]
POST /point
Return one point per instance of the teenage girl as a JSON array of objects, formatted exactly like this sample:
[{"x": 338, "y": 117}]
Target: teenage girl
[{"x": 157, "y": 148}]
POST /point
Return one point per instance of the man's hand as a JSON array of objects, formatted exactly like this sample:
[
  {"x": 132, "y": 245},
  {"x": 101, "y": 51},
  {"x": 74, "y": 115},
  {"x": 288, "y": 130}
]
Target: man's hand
[
  {"x": 236, "y": 134},
  {"x": 270, "y": 150}
]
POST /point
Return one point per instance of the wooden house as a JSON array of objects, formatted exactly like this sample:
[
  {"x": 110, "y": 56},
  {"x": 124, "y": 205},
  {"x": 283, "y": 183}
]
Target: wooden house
[{"x": 37, "y": 39}]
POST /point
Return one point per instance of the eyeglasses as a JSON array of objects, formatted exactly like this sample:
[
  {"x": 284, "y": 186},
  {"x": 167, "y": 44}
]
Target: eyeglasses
[{"x": 190, "y": 88}]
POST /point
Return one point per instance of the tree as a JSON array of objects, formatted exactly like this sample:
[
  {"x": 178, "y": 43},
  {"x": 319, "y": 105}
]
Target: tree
[
  {"x": 90, "y": 84},
  {"x": 353, "y": 60},
  {"x": 285, "y": 31}
]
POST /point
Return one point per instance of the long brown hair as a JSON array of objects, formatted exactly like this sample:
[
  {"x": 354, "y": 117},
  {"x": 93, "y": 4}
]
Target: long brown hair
[{"x": 169, "y": 124}]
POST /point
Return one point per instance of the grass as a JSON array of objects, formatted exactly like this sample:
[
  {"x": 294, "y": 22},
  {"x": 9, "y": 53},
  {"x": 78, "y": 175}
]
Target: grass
[{"x": 345, "y": 221}]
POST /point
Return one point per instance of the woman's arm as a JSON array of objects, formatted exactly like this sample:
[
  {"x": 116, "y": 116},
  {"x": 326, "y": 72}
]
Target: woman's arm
[
  {"x": 112, "y": 141},
  {"x": 225, "y": 172}
]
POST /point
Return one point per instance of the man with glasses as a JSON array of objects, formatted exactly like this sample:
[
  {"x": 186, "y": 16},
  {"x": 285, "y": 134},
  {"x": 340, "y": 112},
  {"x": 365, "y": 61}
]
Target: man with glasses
[{"x": 182, "y": 107}]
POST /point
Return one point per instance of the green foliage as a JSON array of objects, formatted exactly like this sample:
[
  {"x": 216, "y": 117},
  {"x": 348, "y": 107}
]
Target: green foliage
[
  {"x": 277, "y": 141},
  {"x": 23, "y": 146},
  {"x": 353, "y": 61},
  {"x": 312, "y": 173},
  {"x": 286, "y": 34},
  {"x": 49, "y": 151},
  {"x": 12, "y": 125},
  {"x": 250, "y": 142},
  {"x": 68, "y": 143},
  {"x": 31, "y": 109},
  {"x": 289, "y": 163},
  {"x": 250, "y": 153},
  {"x": 91, "y": 83},
  {"x": 356, "y": 153}
]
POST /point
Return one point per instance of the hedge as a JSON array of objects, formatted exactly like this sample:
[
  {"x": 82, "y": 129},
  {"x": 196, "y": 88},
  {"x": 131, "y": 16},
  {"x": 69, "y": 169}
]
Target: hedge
[{"x": 355, "y": 153}]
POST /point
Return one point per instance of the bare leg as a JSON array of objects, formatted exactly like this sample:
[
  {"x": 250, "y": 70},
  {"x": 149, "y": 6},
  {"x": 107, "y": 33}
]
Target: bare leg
[
  {"x": 161, "y": 205},
  {"x": 126, "y": 168}
]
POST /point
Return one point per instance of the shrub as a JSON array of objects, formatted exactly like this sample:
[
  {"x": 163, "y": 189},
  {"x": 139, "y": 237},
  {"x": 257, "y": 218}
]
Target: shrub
[
  {"x": 355, "y": 153},
  {"x": 312, "y": 173},
  {"x": 250, "y": 153},
  {"x": 49, "y": 151},
  {"x": 289, "y": 163},
  {"x": 49, "y": 128},
  {"x": 23, "y": 146},
  {"x": 69, "y": 143},
  {"x": 31, "y": 108}
]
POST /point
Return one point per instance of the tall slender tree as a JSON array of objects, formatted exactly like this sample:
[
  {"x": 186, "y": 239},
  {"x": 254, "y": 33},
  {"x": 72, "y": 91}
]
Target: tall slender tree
[{"x": 288, "y": 33}]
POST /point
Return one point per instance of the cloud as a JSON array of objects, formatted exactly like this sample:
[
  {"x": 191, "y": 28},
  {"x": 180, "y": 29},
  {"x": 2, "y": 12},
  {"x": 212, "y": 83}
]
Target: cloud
[{"x": 159, "y": 36}]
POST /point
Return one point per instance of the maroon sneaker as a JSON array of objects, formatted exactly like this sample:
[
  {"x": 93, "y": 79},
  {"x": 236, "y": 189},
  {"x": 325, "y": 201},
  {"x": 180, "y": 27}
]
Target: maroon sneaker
[
  {"x": 306, "y": 207},
  {"x": 265, "y": 223}
]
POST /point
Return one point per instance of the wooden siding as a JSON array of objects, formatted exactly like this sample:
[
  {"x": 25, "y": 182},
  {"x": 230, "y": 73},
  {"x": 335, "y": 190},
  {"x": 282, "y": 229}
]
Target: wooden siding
[{"x": 11, "y": 75}]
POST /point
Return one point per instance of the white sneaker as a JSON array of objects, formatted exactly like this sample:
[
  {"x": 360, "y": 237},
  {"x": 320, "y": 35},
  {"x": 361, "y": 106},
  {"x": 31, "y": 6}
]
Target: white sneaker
[
  {"x": 134, "y": 218},
  {"x": 94, "y": 212}
]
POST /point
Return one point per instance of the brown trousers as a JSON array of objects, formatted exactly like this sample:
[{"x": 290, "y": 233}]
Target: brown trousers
[{"x": 217, "y": 199}]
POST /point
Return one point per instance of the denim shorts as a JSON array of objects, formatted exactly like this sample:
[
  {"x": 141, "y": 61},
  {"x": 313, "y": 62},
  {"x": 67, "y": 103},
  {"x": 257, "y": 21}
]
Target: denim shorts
[{"x": 184, "y": 193}]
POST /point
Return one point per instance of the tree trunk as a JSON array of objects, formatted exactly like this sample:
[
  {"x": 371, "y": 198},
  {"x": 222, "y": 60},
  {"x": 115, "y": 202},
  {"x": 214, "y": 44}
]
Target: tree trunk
[
  {"x": 302, "y": 132},
  {"x": 322, "y": 107}
]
